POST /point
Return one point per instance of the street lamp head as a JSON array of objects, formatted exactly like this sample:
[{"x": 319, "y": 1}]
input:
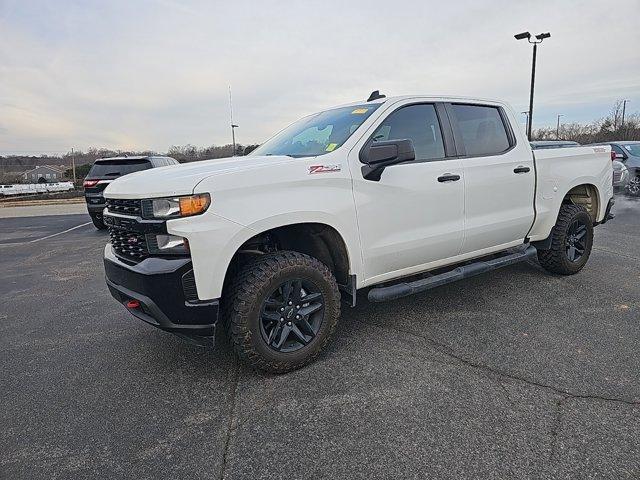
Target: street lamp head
[
  {"x": 542, "y": 36},
  {"x": 522, "y": 36},
  {"x": 234, "y": 126}
]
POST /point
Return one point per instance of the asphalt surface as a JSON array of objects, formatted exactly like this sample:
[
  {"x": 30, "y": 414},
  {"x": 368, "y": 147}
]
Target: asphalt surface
[{"x": 514, "y": 374}]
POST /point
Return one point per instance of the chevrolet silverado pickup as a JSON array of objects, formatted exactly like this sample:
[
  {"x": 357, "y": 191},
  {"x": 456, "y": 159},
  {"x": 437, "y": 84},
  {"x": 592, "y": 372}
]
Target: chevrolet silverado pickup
[{"x": 395, "y": 195}]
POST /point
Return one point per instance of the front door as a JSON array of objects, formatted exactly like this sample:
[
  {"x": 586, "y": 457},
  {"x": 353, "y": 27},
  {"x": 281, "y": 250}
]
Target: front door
[{"x": 414, "y": 214}]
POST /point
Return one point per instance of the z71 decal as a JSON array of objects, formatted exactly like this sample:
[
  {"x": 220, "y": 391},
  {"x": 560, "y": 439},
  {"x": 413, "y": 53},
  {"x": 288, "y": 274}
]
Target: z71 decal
[{"x": 324, "y": 169}]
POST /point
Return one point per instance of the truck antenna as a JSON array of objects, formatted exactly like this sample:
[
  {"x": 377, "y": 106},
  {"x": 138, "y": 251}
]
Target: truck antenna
[{"x": 375, "y": 95}]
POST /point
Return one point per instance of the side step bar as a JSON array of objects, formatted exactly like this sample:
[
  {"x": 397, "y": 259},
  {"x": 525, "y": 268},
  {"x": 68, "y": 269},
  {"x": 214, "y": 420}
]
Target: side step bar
[{"x": 399, "y": 290}]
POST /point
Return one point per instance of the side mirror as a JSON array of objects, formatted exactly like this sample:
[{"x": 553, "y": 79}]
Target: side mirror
[
  {"x": 378, "y": 155},
  {"x": 620, "y": 156}
]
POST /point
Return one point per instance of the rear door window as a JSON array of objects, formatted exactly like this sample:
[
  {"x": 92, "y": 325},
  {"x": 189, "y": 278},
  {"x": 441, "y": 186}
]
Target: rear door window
[
  {"x": 482, "y": 129},
  {"x": 418, "y": 123},
  {"x": 117, "y": 168}
]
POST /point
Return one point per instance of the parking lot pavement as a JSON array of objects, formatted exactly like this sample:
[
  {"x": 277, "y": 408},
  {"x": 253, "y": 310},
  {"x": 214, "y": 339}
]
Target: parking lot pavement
[{"x": 514, "y": 374}]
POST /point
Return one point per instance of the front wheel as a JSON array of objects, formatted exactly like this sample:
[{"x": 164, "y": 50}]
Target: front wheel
[
  {"x": 571, "y": 241},
  {"x": 281, "y": 311}
]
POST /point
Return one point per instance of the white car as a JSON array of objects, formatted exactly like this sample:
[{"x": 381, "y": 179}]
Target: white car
[{"x": 373, "y": 194}]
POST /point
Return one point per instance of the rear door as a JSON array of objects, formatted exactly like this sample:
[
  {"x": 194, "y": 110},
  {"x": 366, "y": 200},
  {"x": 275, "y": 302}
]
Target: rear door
[
  {"x": 499, "y": 176},
  {"x": 414, "y": 214}
]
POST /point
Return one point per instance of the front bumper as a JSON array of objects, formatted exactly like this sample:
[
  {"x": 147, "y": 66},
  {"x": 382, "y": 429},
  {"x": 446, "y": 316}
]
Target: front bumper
[{"x": 164, "y": 289}]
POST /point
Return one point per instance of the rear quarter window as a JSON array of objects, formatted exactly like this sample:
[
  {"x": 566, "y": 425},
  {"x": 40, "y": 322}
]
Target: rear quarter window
[{"x": 482, "y": 130}]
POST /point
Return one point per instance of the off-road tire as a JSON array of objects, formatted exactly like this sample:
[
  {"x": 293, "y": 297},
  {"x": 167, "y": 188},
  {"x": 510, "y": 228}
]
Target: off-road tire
[
  {"x": 245, "y": 294},
  {"x": 98, "y": 222},
  {"x": 555, "y": 259}
]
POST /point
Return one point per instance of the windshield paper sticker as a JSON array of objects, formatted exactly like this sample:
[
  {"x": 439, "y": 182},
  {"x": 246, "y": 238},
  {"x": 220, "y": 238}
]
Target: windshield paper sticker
[
  {"x": 323, "y": 169},
  {"x": 360, "y": 111},
  {"x": 331, "y": 147}
]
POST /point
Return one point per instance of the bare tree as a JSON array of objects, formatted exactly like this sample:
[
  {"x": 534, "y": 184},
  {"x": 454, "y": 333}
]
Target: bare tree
[{"x": 607, "y": 129}]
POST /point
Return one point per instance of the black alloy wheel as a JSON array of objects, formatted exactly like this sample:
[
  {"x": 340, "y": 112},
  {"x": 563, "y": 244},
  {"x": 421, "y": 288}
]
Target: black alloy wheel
[
  {"x": 292, "y": 315},
  {"x": 575, "y": 242}
]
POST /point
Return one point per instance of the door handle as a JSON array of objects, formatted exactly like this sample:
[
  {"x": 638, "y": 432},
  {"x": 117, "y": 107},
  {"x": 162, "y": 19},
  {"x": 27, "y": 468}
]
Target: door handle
[
  {"x": 448, "y": 177},
  {"x": 521, "y": 169}
]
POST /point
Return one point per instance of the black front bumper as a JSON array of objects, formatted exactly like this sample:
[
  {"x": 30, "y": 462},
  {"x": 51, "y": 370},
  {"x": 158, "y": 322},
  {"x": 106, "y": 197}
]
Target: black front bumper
[{"x": 164, "y": 289}]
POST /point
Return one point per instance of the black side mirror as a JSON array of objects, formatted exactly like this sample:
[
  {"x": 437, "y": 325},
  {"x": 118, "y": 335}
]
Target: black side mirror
[{"x": 378, "y": 155}]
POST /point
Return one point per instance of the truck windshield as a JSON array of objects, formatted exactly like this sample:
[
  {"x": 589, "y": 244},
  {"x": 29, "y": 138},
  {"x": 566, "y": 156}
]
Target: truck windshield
[{"x": 317, "y": 134}]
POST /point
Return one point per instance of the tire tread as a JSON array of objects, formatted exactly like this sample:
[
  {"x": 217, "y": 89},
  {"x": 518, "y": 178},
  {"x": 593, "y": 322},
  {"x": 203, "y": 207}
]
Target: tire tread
[
  {"x": 238, "y": 306},
  {"x": 554, "y": 259}
]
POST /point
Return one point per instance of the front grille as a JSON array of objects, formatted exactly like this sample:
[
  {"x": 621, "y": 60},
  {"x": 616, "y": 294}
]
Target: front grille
[
  {"x": 125, "y": 207},
  {"x": 129, "y": 245}
]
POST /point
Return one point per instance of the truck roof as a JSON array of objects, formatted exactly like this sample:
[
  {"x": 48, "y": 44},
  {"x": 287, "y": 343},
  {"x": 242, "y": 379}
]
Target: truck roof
[{"x": 434, "y": 98}]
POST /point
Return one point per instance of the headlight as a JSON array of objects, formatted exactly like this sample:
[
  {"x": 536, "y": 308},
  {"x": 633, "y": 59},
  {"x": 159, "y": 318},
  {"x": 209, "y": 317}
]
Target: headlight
[{"x": 175, "y": 207}]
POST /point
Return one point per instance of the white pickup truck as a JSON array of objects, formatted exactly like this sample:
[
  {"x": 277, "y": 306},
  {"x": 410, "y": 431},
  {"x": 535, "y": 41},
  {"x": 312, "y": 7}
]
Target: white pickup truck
[{"x": 398, "y": 195}]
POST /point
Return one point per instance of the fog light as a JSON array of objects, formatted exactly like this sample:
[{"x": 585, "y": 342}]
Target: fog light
[
  {"x": 169, "y": 241},
  {"x": 167, "y": 244}
]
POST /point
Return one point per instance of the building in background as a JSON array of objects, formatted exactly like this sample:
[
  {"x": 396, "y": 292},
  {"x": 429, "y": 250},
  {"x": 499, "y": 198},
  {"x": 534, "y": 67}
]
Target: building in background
[{"x": 46, "y": 172}]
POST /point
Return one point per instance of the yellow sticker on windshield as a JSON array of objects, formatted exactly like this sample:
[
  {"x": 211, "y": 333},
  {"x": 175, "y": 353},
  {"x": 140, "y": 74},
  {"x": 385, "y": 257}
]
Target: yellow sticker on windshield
[
  {"x": 331, "y": 147},
  {"x": 360, "y": 111}
]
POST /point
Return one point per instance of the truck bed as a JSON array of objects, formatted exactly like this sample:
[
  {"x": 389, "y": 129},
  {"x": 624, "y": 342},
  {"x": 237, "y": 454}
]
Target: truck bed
[{"x": 558, "y": 171}]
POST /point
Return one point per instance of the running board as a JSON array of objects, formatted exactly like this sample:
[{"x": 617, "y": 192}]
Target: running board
[{"x": 399, "y": 290}]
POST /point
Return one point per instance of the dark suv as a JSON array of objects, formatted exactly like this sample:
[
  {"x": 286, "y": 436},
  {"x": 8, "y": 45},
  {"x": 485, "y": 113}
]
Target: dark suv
[{"x": 106, "y": 170}]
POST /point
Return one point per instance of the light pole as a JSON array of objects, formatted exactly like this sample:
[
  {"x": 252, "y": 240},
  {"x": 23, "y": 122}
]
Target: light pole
[
  {"x": 558, "y": 126},
  {"x": 624, "y": 107},
  {"x": 233, "y": 137},
  {"x": 73, "y": 166},
  {"x": 538, "y": 39}
]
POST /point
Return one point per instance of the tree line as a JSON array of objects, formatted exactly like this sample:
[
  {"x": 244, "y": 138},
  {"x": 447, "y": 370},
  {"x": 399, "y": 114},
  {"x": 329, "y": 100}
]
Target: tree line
[
  {"x": 613, "y": 127},
  {"x": 12, "y": 166}
]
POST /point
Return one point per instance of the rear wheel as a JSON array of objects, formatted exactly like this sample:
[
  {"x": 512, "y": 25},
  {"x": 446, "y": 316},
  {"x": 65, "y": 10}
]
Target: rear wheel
[
  {"x": 572, "y": 239},
  {"x": 281, "y": 311}
]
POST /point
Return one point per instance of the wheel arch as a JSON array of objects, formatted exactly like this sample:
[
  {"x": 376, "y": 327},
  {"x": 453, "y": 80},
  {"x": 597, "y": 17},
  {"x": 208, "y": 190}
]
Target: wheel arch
[
  {"x": 317, "y": 239},
  {"x": 587, "y": 195}
]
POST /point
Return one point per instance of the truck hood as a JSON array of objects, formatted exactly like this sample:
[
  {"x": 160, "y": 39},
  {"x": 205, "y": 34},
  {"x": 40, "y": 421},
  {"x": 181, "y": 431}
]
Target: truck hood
[{"x": 182, "y": 179}]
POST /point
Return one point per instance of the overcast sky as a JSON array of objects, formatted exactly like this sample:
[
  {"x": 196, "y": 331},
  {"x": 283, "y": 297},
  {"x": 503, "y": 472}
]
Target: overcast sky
[{"x": 154, "y": 73}]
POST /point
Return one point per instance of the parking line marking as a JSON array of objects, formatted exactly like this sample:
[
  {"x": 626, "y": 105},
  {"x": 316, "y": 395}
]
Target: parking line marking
[{"x": 59, "y": 233}]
